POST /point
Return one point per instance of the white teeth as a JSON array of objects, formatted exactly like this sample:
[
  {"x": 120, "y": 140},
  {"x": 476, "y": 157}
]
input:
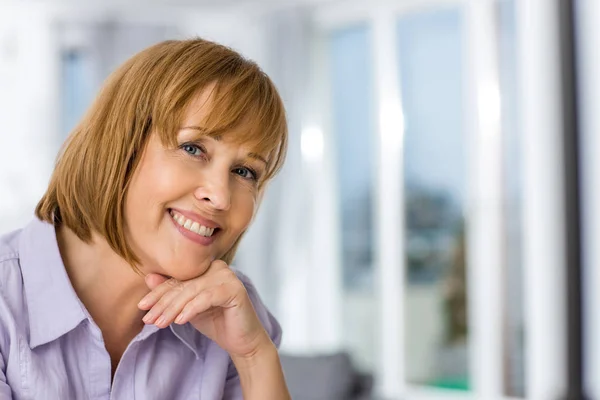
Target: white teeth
[{"x": 192, "y": 226}]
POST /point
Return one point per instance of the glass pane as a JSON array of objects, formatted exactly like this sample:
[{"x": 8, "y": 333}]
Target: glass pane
[
  {"x": 431, "y": 60},
  {"x": 351, "y": 94},
  {"x": 514, "y": 322},
  {"x": 76, "y": 88}
]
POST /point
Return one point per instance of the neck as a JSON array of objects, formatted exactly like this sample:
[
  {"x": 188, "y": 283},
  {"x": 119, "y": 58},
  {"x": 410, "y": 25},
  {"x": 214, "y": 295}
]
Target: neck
[{"x": 106, "y": 284}]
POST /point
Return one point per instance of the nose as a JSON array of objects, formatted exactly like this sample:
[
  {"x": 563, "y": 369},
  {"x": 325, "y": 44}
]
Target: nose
[{"x": 214, "y": 191}]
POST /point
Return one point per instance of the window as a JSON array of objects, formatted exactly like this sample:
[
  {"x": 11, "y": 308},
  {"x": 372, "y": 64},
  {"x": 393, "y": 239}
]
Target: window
[
  {"x": 351, "y": 86},
  {"x": 431, "y": 79},
  {"x": 76, "y": 90},
  {"x": 514, "y": 321}
]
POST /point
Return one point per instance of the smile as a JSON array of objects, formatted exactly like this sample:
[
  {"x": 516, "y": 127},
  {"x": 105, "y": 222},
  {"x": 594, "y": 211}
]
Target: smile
[{"x": 191, "y": 225}]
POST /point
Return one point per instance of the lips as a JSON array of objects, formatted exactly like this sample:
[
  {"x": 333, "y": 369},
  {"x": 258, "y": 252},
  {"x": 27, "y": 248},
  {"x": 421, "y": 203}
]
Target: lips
[{"x": 192, "y": 225}]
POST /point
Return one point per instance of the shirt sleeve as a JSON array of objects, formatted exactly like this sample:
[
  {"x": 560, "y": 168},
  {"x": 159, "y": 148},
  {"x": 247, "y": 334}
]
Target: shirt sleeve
[
  {"x": 5, "y": 392},
  {"x": 233, "y": 387}
]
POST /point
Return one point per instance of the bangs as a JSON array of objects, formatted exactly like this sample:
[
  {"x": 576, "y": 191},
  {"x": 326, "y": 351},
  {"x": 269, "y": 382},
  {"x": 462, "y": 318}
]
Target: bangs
[
  {"x": 246, "y": 107},
  {"x": 252, "y": 109},
  {"x": 150, "y": 94}
]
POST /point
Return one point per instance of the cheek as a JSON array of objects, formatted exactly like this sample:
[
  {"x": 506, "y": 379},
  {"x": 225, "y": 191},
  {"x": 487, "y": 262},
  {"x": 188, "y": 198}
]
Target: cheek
[
  {"x": 243, "y": 209},
  {"x": 160, "y": 183},
  {"x": 149, "y": 190},
  {"x": 139, "y": 214}
]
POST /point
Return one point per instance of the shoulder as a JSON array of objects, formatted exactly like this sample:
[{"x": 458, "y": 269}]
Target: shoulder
[
  {"x": 268, "y": 320},
  {"x": 9, "y": 245},
  {"x": 10, "y": 269},
  {"x": 12, "y": 301}
]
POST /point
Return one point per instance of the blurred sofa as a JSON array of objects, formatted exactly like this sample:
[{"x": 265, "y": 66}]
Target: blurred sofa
[{"x": 325, "y": 377}]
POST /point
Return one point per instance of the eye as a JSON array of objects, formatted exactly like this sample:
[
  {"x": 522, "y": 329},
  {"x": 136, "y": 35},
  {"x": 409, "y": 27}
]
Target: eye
[
  {"x": 246, "y": 173},
  {"x": 192, "y": 149}
]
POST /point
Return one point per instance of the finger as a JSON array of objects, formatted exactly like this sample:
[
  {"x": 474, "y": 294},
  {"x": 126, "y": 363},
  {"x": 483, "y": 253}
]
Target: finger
[
  {"x": 192, "y": 289},
  {"x": 167, "y": 309},
  {"x": 218, "y": 265},
  {"x": 224, "y": 296},
  {"x": 153, "y": 280},
  {"x": 155, "y": 294},
  {"x": 155, "y": 313},
  {"x": 157, "y": 282}
]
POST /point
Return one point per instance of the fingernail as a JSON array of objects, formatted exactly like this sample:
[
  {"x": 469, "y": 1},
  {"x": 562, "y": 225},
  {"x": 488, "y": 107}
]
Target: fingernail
[
  {"x": 179, "y": 319},
  {"x": 161, "y": 320},
  {"x": 147, "y": 318},
  {"x": 143, "y": 303}
]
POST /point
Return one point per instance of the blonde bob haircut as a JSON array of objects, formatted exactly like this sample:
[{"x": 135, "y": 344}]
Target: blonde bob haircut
[{"x": 147, "y": 95}]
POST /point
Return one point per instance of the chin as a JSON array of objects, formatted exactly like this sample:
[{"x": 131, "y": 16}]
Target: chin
[{"x": 185, "y": 271}]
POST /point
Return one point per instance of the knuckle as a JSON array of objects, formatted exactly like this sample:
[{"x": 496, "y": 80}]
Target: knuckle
[
  {"x": 195, "y": 287},
  {"x": 165, "y": 301},
  {"x": 189, "y": 290},
  {"x": 173, "y": 283},
  {"x": 227, "y": 275},
  {"x": 162, "y": 303},
  {"x": 220, "y": 264},
  {"x": 194, "y": 305},
  {"x": 169, "y": 310},
  {"x": 218, "y": 291},
  {"x": 239, "y": 286},
  {"x": 208, "y": 294}
]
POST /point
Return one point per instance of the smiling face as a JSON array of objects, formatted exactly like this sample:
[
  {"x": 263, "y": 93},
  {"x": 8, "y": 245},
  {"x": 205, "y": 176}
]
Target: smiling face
[
  {"x": 125, "y": 174},
  {"x": 188, "y": 204}
]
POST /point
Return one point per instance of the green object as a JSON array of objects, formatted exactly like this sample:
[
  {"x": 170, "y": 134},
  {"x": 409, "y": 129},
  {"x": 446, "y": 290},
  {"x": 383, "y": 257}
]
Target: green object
[{"x": 455, "y": 384}]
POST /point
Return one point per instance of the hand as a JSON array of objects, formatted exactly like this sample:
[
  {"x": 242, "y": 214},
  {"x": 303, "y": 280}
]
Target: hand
[{"x": 216, "y": 304}]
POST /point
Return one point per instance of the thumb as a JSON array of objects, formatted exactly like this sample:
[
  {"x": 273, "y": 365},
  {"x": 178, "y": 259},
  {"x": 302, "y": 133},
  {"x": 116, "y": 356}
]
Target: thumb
[{"x": 153, "y": 280}]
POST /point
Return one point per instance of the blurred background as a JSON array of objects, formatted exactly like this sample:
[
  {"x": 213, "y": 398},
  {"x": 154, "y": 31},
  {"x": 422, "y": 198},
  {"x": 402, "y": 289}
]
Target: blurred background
[{"x": 416, "y": 244}]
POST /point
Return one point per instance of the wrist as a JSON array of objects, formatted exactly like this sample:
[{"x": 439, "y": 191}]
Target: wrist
[
  {"x": 264, "y": 350},
  {"x": 261, "y": 375}
]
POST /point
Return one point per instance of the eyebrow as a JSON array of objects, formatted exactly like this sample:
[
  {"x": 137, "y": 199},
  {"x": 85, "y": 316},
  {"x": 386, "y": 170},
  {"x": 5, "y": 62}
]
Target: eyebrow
[
  {"x": 258, "y": 157},
  {"x": 202, "y": 130},
  {"x": 219, "y": 137}
]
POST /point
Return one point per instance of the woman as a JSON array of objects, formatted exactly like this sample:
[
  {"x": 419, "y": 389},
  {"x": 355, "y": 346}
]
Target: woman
[{"x": 120, "y": 288}]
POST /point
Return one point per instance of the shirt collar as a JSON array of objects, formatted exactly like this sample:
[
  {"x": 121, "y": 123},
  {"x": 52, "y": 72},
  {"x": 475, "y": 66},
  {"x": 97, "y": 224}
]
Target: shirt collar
[
  {"x": 53, "y": 306},
  {"x": 189, "y": 336}
]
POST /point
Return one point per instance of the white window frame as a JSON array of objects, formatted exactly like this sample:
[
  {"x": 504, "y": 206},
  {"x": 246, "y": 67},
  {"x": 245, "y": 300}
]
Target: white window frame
[
  {"x": 544, "y": 355},
  {"x": 543, "y": 213},
  {"x": 588, "y": 15}
]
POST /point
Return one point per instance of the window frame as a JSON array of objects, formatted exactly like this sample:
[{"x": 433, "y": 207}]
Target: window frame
[{"x": 485, "y": 197}]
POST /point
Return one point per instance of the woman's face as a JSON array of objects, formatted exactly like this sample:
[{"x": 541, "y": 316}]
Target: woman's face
[{"x": 186, "y": 206}]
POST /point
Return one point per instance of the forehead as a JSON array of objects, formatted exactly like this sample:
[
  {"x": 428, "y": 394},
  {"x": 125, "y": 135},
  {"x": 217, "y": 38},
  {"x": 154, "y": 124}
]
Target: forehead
[
  {"x": 200, "y": 106},
  {"x": 221, "y": 120}
]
